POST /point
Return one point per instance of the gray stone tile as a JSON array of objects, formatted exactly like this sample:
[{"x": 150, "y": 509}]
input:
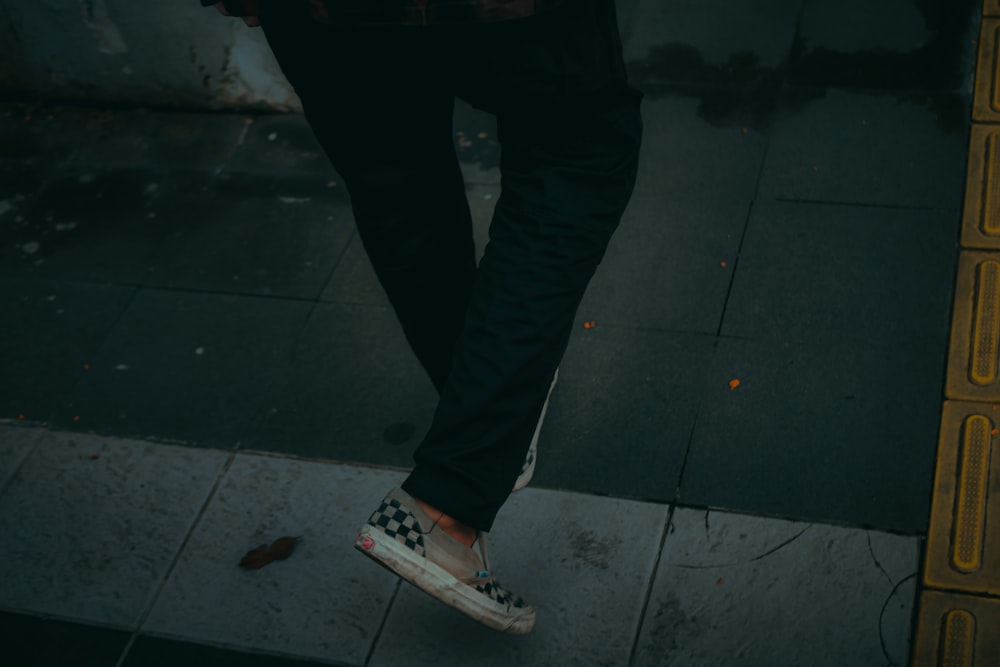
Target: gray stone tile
[
  {"x": 664, "y": 265},
  {"x": 354, "y": 280},
  {"x": 841, "y": 432},
  {"x": 20, "y": 184},
  {"x": 198, "y": 368},
  {"x": 741, "y": 590},
  {"x": 91, "y": 525},
  {"x": 325, "y": 601},
  {"x": 711, "y": 41},
  {"x": 822, "y": 273},
  {"x": 37, "y": 135},
  {"x": 898, "y": 45},
  {"x": 52, "y": 332},
  {"x": 95, "y": 225},
  {"x": 354, "y": 391},
  {"x": 587, "y": 584},
  {"x": 687, "y": 152},
  {"x": 857, "y": 148},
  {"x": 270, "y": 235},
  {"x": 621, "y": 415},
  {"x": 281, "y": 143},
  {"x": 143, "y": 138},
  {"x": 669, "y": 264}
]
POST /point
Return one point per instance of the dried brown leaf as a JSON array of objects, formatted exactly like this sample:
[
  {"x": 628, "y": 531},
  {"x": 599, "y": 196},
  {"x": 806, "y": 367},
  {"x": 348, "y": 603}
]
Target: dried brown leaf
[
  {"x": 280, "y": 549},
  {"x": 255, "y": 558}
]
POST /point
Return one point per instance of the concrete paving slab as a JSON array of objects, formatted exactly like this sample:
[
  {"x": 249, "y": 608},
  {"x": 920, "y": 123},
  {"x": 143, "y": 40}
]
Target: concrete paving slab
[
  {"x": 52, "y": 330},
  {"x": 621, "y": 416},
  {"x": 741, "y": 590},
  {"x": 821, "y": 273},
  {"x": 142, "y": 138},
  {"x": 325, "y": 601},
  {"x": 15, "y": 443},
  {"x": 669, "y": 264},
  {"x": 710, "y": 41},
  {"x": 840, "y": 432},
  {"x": 41, "y": 642},
  {"x": 198, "y": 368},
  {"x": 877, "y": 149},
  {"x": 588, "y": 585},
  {"x": 32, "y": 135},
  {"x": 20, "y": 184},
  {"x": 94, "y": 225},
  {"x": 354, "y": 391},
  {"x": 354, "y": 281},
  {"x": 158, "y": 652},
  {"x": 92, "y": 525},
  {"x": 689, "y": 152},
  {"x": 281, "y": 143},
  {"x": 898, "y": 45},
  {"x": 237, "y": 237}
]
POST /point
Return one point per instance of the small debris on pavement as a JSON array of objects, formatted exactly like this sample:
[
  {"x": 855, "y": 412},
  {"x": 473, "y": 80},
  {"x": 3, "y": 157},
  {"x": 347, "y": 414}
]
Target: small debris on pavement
[
  {"x": 589, "y": 324},
  {"x": 733, "y": 384},
  {"x": 280, "y": 549}
]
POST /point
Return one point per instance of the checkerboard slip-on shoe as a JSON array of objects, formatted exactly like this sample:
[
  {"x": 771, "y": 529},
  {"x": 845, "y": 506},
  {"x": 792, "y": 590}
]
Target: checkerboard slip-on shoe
[
  {"x": 402, "y": 538},
  {"x": 528, "y": 468}
]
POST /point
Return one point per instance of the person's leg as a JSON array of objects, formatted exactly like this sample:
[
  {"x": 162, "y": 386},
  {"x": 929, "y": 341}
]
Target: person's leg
[
  {"x": 570, "y": 132},
  {"x": 384, "y": 118}
]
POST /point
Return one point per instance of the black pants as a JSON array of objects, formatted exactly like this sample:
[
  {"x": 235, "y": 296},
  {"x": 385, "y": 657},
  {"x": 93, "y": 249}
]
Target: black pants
[{"x": 380, "y": 100}]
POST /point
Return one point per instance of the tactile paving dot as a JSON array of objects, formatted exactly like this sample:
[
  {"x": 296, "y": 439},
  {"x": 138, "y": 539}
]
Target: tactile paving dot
[
  {"x": 974, "y": 352},
  {"x": 957, "y": 631},
  {"x": 963, "y": 543}
]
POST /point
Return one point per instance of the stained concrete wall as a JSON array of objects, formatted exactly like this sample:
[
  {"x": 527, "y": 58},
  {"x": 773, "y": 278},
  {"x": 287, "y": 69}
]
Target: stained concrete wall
[{"x": 171, "y": 53}]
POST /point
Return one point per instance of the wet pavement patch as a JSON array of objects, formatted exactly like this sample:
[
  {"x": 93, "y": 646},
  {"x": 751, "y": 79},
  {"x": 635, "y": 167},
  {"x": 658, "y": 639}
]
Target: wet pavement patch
[{"x": 845, "y": 45}]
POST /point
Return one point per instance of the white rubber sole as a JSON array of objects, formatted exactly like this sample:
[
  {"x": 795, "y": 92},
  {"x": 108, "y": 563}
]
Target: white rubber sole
[{"x": 441, "y": 584}]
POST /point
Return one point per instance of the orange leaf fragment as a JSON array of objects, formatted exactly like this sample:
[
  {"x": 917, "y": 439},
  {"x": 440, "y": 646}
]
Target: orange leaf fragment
[
  {"x": 280, "y": 549},
  {"x": 589, "y": 324},
  {"x": 733, "y": 384},
  {"x": 722, "y": 264},
  {"x": 995, "y": 431}
]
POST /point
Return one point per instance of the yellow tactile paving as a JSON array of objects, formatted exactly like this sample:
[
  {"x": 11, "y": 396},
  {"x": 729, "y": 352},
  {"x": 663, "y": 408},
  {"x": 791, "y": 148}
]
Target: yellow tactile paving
[
  {"x": 991, "y": 8},
  {"x": 957, "y": 631},
  {"x": 963, "y": 543},
  {"x": 986, "y": 98},
  {"x": 981, "y": 217},
  {"x": 974, "y": 352}
]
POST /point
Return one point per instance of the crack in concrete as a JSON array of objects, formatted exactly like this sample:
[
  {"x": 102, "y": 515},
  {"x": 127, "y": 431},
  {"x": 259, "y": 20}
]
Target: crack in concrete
[
  {"x": 750, "y": 560},
  {"x": 871, "y": 551}
]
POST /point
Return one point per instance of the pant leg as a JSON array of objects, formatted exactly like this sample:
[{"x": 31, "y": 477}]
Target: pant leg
[
  {"x": 379, "y": 107},
  {"x": 570, "y": 130}
]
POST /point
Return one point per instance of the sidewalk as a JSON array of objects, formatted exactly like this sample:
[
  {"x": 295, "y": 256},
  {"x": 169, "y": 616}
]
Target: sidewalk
[{"x": 739, "y": 457}]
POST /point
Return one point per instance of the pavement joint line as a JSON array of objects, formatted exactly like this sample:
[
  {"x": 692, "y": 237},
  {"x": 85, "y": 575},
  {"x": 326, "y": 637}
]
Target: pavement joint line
[
  {"x": 385, "y": 620},
  {"x": 956, "y": 591},
  {"x": 144, "y": 615},
  {"x": 633, "y": 651},
  {"x": 16, "y": 468}
]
